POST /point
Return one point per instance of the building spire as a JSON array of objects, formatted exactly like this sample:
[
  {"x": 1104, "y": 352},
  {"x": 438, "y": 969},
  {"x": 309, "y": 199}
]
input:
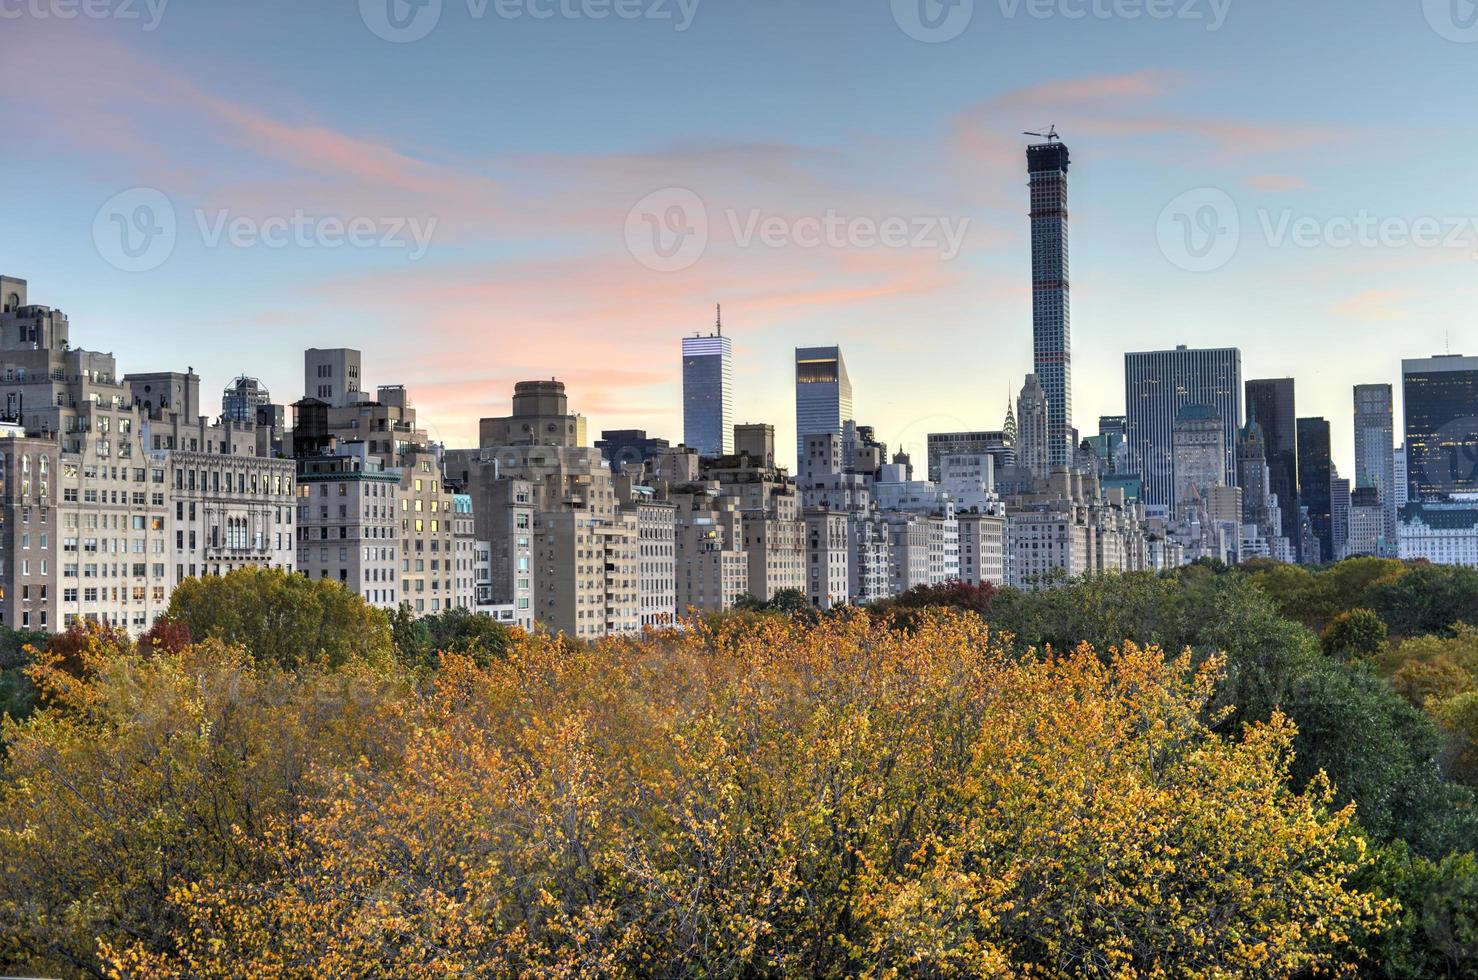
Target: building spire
[{"x": 718, "y": 318}]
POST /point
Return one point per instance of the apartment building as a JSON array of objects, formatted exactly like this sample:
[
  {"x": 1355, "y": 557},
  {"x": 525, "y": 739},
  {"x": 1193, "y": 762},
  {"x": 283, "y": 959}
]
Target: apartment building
[
  {"x": 982, "y": 547},
  {"x": 827, "y": 558},
  {"x": 349, "y": 523},
  {"x": 584, "y": 544}
]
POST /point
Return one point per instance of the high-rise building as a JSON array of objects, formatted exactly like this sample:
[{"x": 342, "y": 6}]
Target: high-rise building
[
  {"x": 1034, "y": 429},
  {"x": 1315, "y": 471},
  {"x": 332, "y": 375},
  {"x": 1375, "y": 466},
  {"x": 708, "y": 393},
  {"x": 1270, "y": 404},
  {"x": 823, "y": 394},
  {"x": 1047, "y": 165},
  {"x": 1157, "y": 385},
  {"x": 1440, "y": 396}
]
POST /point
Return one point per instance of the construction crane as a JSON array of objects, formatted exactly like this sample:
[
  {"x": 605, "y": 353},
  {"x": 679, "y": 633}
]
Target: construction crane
[{"x": 1050, "y": 135}]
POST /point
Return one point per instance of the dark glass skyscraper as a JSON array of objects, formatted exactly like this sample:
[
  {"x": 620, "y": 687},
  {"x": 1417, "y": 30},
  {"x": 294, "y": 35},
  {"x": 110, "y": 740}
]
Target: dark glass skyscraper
[
  {"x": 708, "y": 394},
  {"x": 823, "y": 394},
  {"x": 1440, "y": 397},
  {"x": 1047, "y": 165},
  {"x": 1314, "y": 472},
  {"x": 1157, "y": 385},
  {"x": 1270, "y": 404}
]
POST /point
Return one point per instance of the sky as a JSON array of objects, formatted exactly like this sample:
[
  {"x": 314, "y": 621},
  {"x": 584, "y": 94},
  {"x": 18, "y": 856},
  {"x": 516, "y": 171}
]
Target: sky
[{"x": 477, "y": 192}]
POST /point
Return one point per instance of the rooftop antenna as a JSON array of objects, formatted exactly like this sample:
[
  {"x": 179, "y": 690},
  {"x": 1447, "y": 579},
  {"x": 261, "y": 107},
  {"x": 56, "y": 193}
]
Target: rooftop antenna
[
  {"x": 1050, "y": 135},
  {"x": 718, "y": 318}
]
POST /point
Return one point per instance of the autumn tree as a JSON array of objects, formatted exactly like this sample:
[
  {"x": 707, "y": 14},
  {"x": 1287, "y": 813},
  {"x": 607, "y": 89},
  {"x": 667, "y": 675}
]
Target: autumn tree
[{"x": 768, "y": 797}]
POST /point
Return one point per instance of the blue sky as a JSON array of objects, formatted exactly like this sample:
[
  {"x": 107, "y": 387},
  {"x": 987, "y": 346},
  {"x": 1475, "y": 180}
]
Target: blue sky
[{"x": 534, "y": 153}]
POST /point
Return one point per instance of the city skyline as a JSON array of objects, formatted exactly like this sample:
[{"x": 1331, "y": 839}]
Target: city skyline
[{"x": 529, "y": 274}]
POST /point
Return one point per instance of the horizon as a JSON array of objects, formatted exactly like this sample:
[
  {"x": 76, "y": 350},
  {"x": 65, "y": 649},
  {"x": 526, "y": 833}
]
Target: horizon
[{"x": 504, "y": 197}]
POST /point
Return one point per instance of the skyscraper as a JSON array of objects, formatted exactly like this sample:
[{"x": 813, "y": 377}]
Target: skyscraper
[
  {"x": 1047, "y": 165},
  {"x": 823, "y": 394},
  {"x": 1375, "y": 466},
  {"x": 1157, "y": 385},
  {"x": 1440, "y": 397},
  {"x": 1034, "y": 429},
  {"x": 1315, "y": 470},
  {"x": 1270, "y": 404},
  {"x": 708, "y": 393}
]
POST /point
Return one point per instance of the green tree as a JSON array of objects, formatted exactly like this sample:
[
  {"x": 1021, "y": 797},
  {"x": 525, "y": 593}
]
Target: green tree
[
  {"x": 283, "y": 618},
  {"x": 1354, "y": 633},
  {"x": 1427, "y": 599},
  {"x": 1435, "y": 933},
  {"x": 17, "y": 693}
]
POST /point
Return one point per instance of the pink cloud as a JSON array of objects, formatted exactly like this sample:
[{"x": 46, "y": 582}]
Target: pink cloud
[{"x": 1275, "y": 183}]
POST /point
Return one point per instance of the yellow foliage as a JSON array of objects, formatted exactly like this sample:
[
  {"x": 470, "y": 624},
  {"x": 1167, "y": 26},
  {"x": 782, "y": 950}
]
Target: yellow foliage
[{"x": 742, "y": 798}]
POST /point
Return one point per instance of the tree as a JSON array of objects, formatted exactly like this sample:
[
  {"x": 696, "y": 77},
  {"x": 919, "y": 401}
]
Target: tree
[
  {"x": 17, "y": 693},
  {"x": 1427, "y": 599},
  {"x": 147, "y": 771},
  {"x": 283, "y": 618},
  {"x": 774, "y": 798},
  {"x": 954, "y": 594},
  {"x": 1378, "y": 751},
  {"x": 1354, "y": 633}
]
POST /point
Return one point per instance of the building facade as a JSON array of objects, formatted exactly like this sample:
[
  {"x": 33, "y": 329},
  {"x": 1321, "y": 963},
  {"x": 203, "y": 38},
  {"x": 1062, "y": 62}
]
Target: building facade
[
  {"x": 1157, "y": 385},
  {"x": 708, "y": 394},
  {"x": 823, "y": 393},
  {"x": 1440, "y": 401},
  {"x": 1047, "y": 166}
]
